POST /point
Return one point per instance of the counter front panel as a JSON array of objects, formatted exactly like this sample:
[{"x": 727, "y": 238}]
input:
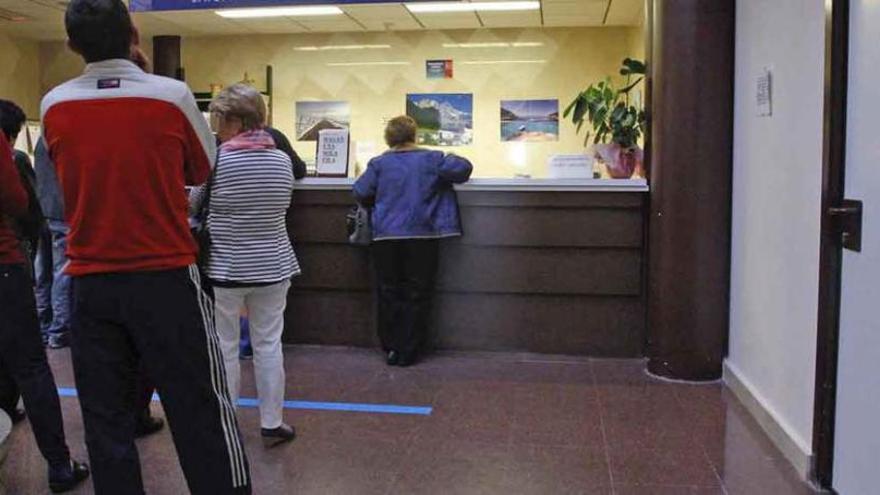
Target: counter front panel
[{"x": 548, "y": 272}]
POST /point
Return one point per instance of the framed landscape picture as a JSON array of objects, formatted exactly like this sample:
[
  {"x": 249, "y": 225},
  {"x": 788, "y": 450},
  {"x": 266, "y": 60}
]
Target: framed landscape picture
[
  {"x": 443, "y": 119},
  {"x": 530, "y": 120},
  {"x": 314, "y": 116}
]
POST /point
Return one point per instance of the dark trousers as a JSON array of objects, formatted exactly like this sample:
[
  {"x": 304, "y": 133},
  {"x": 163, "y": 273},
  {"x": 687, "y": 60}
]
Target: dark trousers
[
  {"x": 144, "y": 389},
  {"x": 43, "y": 275},
  {"x": 23, "y": 364},
  {"x": 163, "y": 320},
  {"x": 405, "y": 271}
]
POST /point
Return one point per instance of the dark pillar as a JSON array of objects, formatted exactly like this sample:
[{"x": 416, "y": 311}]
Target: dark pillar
[
  {"x": 166, "y": 56},
  {"x": 691, "y": 160}
]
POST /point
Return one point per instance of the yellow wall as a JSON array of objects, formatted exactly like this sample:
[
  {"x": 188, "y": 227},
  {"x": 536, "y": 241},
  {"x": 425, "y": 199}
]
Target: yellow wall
[
  {"x": 20, "y": 74},
  {"x": 574, "y": 58},
  {"x": 57, "y": 65},
  {"x": 637, "y": 43}
]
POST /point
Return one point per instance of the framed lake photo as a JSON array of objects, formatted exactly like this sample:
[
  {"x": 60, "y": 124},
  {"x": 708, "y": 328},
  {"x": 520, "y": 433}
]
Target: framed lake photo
[{"x": 530, "y": 120}]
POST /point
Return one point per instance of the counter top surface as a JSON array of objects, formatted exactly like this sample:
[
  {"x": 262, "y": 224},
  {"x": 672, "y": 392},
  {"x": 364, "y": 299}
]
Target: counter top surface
[{"x": 503, "y": 185}]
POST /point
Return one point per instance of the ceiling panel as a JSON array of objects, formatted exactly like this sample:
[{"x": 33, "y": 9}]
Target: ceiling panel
[
  {"x": 339, "y": 23},
  {"x": 194, "y": 23},
  {"x": 457, "y": 20},
  {"x": 511, "y": 19},
  {"x": 574, "y": 7},
  {"x": 390, "y": 17},
  {"x": 46, "y": 19},
  {"x": 574, "y": 12},
  {"x": 626, "y": 13},
  {"x": 276, "y": 26}
]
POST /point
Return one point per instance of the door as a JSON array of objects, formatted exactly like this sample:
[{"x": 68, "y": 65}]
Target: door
[{"x": 857, "y": 428}]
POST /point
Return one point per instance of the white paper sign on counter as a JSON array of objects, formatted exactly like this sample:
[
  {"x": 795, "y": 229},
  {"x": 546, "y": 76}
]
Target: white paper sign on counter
[
  {"x": 333, "y": 153},
  {"x": 570, "y": 166}
]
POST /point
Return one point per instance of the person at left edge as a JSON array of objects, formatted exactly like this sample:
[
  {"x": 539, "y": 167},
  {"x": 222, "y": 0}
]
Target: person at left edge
[
  {"x": 125, "y": 144},
  {"x": 23, "y": 363},
  {"x": 28, "y": 228}
]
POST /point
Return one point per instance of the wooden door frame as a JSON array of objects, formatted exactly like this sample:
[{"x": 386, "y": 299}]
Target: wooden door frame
[{"x": 831, "y": 254}]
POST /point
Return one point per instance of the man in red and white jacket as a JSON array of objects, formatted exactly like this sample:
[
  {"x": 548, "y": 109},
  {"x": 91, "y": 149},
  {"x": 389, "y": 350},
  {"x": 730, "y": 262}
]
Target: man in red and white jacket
[
  {"x": 23, "y": 364},
  {"x": 125, "y": 144}
]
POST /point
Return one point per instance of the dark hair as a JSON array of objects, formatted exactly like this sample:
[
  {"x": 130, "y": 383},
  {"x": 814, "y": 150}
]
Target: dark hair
[
  {"x": 99, "y": 29},
  {"x": 12, "y": 119},
  {"x": 400, "y": 130}
]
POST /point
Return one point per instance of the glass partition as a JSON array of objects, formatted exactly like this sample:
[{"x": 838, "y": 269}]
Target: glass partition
[{"x": 495, "y": 96}]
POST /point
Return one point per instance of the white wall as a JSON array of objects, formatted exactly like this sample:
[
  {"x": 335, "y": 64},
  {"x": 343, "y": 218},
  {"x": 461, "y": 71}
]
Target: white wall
[{"x": 776, "y": 210}]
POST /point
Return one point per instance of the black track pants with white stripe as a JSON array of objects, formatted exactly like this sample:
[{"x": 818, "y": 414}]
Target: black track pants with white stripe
[{"x": 165, "y": 319}]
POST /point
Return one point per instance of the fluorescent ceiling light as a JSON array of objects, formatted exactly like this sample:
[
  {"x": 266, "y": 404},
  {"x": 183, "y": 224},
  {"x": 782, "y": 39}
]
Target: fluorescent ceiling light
[
  {"x": 279, "y": 12},
  {"x": 495, "y": 44},
  {"x": 435, "y": 7},
  {"x": 362, "y": 64},
  {"x": 340, "y": 47}
]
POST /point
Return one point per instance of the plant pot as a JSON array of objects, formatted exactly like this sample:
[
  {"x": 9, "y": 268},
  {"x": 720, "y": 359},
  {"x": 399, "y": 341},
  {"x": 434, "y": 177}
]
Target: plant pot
[{"x": 621, "y": 162}]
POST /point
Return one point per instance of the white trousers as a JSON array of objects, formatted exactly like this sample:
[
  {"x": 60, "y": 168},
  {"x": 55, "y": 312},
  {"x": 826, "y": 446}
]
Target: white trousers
[{"x": 265, "y": 306}]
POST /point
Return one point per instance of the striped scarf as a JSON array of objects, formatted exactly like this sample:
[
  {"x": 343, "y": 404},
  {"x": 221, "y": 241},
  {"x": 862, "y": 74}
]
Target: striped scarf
[{"x": 257, "y": 139}]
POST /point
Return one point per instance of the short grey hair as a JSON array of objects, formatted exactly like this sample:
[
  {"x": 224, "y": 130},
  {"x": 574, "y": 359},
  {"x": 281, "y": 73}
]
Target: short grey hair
[{"x": 243, "y": 102}]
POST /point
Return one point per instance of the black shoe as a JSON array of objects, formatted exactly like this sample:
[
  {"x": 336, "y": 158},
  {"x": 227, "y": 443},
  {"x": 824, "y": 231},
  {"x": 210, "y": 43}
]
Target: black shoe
[
  {"x": 147, "y": 425},
  {"x": 66, "y": 477},
  {"x": 393, "y": 358},
  {"x": 406, "y": 361},
  {"x": 59, "y": 341},
  {"x": 277, "y": 436},
  {"x": 17, "y": 415}
]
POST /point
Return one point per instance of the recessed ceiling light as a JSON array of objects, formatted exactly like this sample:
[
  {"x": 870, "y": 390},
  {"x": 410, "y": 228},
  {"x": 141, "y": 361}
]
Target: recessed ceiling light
[
  {"x": 279, "y": 12},
  {"x": 435, "y": 7}
]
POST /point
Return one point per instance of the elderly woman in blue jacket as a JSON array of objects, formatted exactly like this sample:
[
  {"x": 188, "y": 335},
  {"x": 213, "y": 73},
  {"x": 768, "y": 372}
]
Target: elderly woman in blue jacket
[{"x": 414, "y": 206}]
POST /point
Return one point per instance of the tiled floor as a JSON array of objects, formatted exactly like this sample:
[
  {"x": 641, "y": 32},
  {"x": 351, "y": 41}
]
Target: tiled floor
[{"x": 505, "y": 424}]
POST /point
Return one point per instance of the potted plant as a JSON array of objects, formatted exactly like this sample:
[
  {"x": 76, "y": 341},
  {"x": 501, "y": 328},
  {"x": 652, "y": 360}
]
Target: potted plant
[{"x": 617, "y": 124}]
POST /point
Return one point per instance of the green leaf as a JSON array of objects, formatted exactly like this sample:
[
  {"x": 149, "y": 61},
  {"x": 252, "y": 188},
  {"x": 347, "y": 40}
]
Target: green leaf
[
  {"x": 580, "y": 110},
  {"x": 634, "y": 66},
  {"x": 571, "y": 107}
]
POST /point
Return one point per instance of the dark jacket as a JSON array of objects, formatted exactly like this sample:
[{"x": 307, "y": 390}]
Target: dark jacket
[
  {"x": 48, "y": 188},
  {"x": 31, "y": 225},
  {"x": 283, "y": 144},
  {"x": 411, "y": 194}
]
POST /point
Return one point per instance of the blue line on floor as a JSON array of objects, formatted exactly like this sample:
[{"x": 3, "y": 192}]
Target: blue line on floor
[{"x": 316, "y": 406}]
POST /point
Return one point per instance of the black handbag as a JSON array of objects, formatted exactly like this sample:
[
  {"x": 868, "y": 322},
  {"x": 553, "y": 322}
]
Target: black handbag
[{"x": 360, "y": 226}]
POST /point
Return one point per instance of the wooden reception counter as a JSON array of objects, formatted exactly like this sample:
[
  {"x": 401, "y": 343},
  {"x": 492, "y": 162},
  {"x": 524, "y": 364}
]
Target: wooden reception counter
[{"x": 548, "y": 266}]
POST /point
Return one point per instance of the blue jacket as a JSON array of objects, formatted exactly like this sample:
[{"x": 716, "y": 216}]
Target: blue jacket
[{"x": 411, "y": 194}]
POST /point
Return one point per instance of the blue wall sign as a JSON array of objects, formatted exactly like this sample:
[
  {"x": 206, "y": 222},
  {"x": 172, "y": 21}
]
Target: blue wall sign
[{"x": 157, "y": 5}]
